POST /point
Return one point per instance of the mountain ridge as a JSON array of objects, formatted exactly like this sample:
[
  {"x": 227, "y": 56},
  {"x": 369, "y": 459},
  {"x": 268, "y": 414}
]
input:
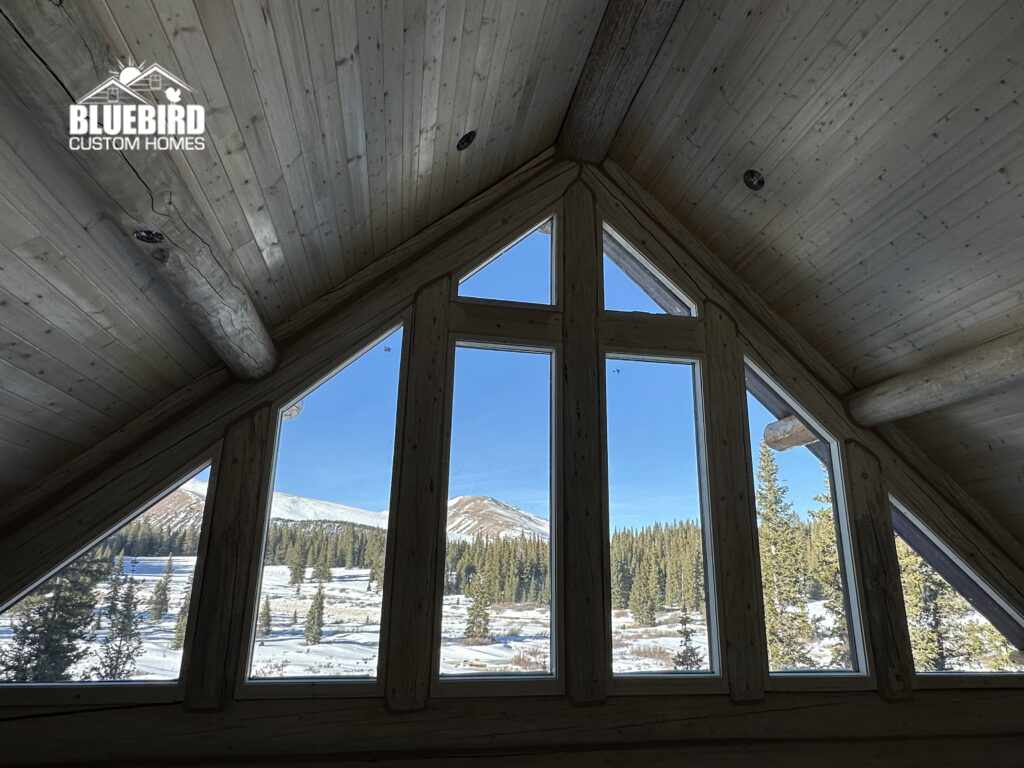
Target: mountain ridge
[{"x": 468, "y": 516}]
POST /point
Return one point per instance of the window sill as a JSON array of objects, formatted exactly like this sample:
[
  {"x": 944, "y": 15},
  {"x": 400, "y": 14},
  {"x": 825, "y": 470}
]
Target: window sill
[{"x": 75, "y": 694}]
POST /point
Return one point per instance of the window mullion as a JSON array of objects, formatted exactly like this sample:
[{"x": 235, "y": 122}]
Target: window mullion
[
  {"x": 733, "y": 517},
  {"x": 875, "y": 546},
  {"x": 411, "y": 610},
  {"x": 218, "y": 638},
  {"x": 585, "y": 569}
]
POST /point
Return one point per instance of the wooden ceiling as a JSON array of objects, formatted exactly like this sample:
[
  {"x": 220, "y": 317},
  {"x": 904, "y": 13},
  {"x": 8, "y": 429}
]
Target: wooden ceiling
[
  {"x": 333, "y": 130},
  {"x": 890, "y": 231}
]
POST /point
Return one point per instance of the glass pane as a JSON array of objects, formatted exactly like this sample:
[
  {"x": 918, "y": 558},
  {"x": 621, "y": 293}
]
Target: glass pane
[
  {"x": 323, "y": 560},
  {"x": 660, "y": 616},
  {"x": 496, "y": 611},
  {"x": 948, "y": 633},
  {"x": 118, "y": 611},
  {"x": 521, "y": 272},
  {"x": 632, "y": 284},
  {"x": 804, "y": 560}
]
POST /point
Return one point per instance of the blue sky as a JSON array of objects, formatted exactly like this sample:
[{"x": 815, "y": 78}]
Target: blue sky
[
  {"x": 652, "y": 443},
  {"x": 340, "y": 448},
  {"x": 521, "y": 273},
  {"x": 501, "y": 427}
]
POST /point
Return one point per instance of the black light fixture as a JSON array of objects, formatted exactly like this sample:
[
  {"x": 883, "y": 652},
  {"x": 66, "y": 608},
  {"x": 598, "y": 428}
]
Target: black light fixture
[
  {"x": 466, "y": 140},
  {"x": 753, "y": 179},
  {"x": 149, "y": 236}
]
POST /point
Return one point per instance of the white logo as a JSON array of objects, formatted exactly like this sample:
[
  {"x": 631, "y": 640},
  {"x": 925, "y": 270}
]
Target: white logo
[{"x": 137, "y": 107}]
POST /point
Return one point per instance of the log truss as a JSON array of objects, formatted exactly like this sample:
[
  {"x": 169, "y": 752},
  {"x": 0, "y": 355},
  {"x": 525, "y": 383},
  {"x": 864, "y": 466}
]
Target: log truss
[{"x": 213, "y": 712}]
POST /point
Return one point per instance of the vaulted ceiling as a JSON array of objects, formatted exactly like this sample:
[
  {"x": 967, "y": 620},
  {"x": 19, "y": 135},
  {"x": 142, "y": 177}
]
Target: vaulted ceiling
[{"x": 889, "y": 230}]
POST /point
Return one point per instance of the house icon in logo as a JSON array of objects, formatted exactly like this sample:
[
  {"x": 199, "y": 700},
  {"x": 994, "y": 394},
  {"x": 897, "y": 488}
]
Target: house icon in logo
[
  {"x": 112, "y": 91},
  {"x": 137, "y": 86},
  {"x": 154, "y": 79}
]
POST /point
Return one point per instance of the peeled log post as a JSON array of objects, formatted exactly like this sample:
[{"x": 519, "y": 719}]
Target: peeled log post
[
  {"x": 980, "y": 371},
  {"x": 788, "y": 432},
  {"x": 221, "y": 309}
]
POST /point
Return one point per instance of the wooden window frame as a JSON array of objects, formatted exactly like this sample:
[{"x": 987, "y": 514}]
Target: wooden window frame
[
  {"x": 554, "y": 213},
  {"x": 861, "y": 677},
  {"x": 731, "y": 323},
  {"x": 107, "y": 692},
  {"x": 662, "y": 281},
  {"x": 247, "y": 688},
  {"x": 966, "y": 678},
  {"x": 506, "y": 684},
  {"x": 669, "y": 683}
]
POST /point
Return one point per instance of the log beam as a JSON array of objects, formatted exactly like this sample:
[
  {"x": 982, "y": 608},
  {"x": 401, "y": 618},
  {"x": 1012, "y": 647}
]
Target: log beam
[
  {"x": 624, "y": 48},
  {"x": 220, "y": 309},
  {"x": 52, "y": 53},
  {"x": 983, "y": 370},
  {"x": 788, "y": 432}
]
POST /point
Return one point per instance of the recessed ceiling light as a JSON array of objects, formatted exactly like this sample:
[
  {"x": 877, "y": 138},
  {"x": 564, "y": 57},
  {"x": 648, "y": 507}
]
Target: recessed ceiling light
[
  {"x": 466, "y": 140},
  {"x": 149, "y": 236},
  {"x": 753, "y": 179}
]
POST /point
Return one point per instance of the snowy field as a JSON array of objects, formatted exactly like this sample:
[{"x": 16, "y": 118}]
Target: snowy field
[
  {"x": 350, "y": 634},
  {"x": 520, "y": 640},
  {"x": 157, "y": 660},
  {"x": 650, "y": 649},
  {"x": 520, "y": 634}
]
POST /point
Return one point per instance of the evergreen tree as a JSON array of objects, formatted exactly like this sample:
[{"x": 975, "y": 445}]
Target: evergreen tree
[
  {"x": 114, "y": 586},
  {"x": 935, "y": 615},
  {"x": 123, "y": 643},
  {"x": 780, "y": 535},
  {"x": 688, "y": 657},
  {"x": 322, "y": 569},
  {"x": 265, "y": 617},
  {"x": 296, "y": 562},
  {"x": 643, "y": 598},
  {"x": 51, "y": 626},
  {"x": 315, "y": 618},
  {"x": 160, "y": 601},
  {"x": 478, "y": 614},
  {"x": 180, "y": 624},
  {"x": 620, "y": 583},
  {"x": 826, "y": 572}
]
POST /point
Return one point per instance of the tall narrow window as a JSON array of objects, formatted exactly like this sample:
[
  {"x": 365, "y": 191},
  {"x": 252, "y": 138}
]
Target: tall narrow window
[
  {"x": 319, "y": 608},
  {"x": 118, "y": 611},
  {"x": 633, "y": 284},
  {"x": 496, "y": 616},
  {"x": 521, "y": 272},
  {"x": 661, "y": 620},
  {"x": 956, "y": 623},
  {"x": 802, "y": 537}
]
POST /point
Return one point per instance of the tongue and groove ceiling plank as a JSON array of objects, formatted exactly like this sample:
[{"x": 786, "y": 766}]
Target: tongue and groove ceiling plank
[
  {"x": 890, "y": 228},
  {"x": 331, "y": 133}
]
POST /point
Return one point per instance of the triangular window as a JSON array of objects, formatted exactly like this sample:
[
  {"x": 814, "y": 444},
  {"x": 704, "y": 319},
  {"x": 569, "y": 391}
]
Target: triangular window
[
  {"x": 803, "y": 536},
  {"x": 633, "y": 284},
  {"x": 117, "y": 611},
  {"x": 521, "y": 272},
  {"x": 956, "y": 622}
]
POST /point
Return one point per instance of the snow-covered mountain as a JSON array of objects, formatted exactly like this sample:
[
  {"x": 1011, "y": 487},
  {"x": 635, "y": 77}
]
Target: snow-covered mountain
[
  {"x": 288, "y": 507},
  {"x": 468, "y": 516},
  {"x": 179, "y": 509},
  {"x": 471, "y": 516}
]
